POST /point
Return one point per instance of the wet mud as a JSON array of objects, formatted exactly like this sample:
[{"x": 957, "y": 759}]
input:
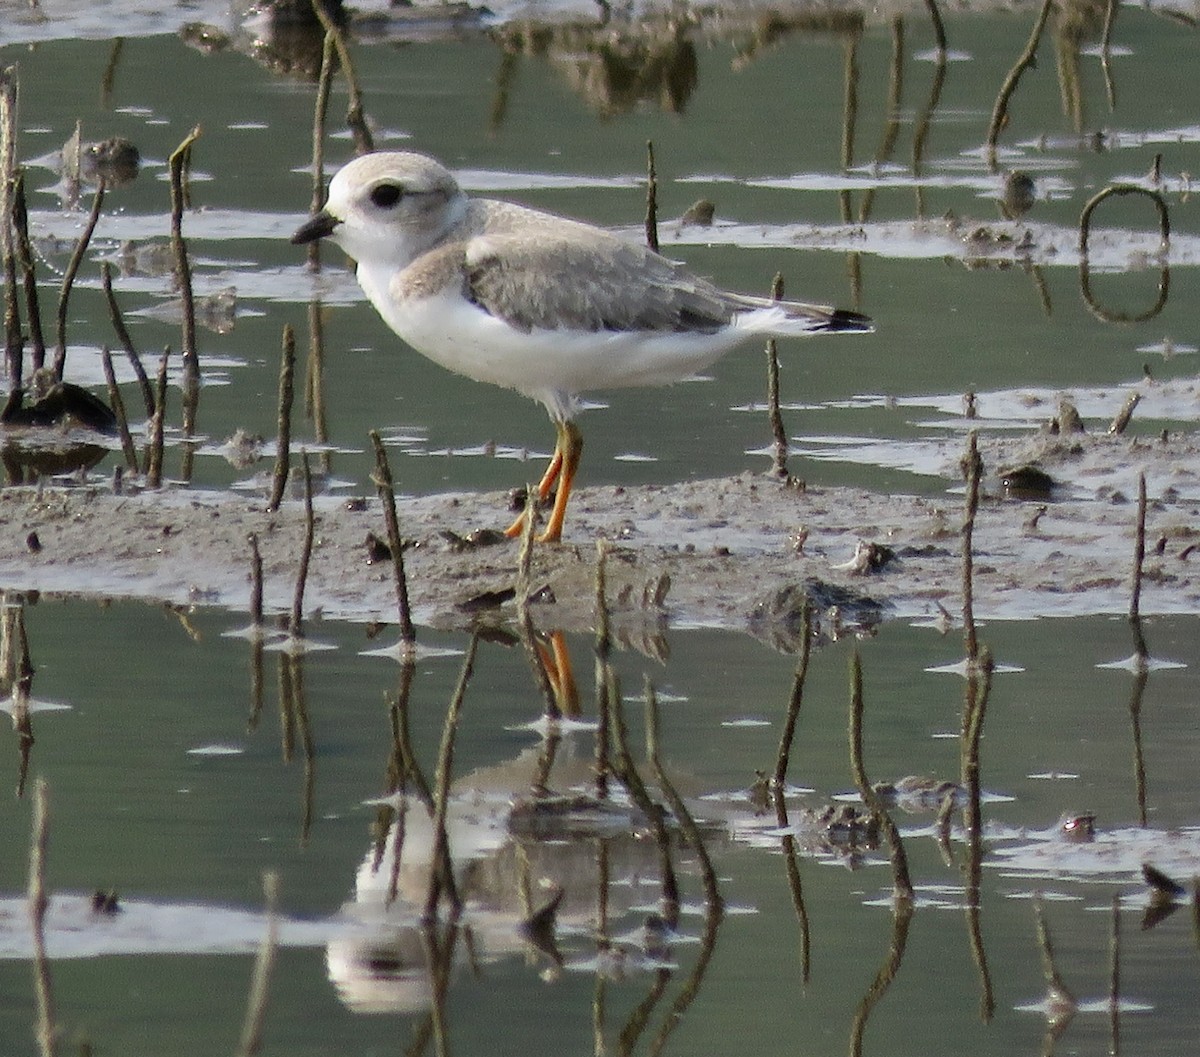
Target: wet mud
[{"x": 741, "y": 552}]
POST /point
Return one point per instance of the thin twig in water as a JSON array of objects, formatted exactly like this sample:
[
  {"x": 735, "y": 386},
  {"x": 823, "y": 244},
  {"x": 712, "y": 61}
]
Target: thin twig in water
[
  {"x": 13, "y": 342},
  {"x": 651, "y": 198},
  {"x": 256, "y": 581},
  {"x": 387, "y": 495},
  {"x": 178, "y": 163},
  {"x": 283, "y": 442},
  {"x": 118, "y": 407},
  {"x": 1139, "y": 552},
  {"x": 60, "y": 355},
  {"x": 774, "y": 415},
  {"x": 33, "y": 311},
  {"x": 126, "y": 341},
  {"x": 154, "y": 460},
  {"x": 260, "y": 980}
]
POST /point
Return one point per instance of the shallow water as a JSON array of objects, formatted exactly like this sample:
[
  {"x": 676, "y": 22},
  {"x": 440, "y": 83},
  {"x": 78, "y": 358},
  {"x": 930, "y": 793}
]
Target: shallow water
[{"x": 163, "y": 788}]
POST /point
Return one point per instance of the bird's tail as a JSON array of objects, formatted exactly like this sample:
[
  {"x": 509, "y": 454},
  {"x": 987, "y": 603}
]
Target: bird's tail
[{"x": 795, "y": 317}]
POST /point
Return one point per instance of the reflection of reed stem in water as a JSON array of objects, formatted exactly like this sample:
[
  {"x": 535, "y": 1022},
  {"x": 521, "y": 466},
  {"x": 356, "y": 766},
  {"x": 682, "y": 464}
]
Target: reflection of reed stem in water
[
  {"x": 299, "y": 708},
  {"x": 355, "y": 116},
  {"x": 901, "y": 883},
  {"x": 283, "y": 441},
  {"x": 441, "y": 877},
  {"x": 260, "y": 979},
  {"x": 1026, "y": 59},
  {"x": 256, "y": 633},
  {"x": 123, "y": 337},
  {"x": 655, "y": 816},
  {"x": 779, "y": 441},
  {"x": 683, "y": 816},
  {"x": 45, "y": 1028},
  {"x": 979, "y": 688},
  {"x": 651, "y": 198},
  {"x": 795, "y": 700},
  {"x": 16, "y": 682},
  {"x": 178, "y": 164},
  {"x": 778, "y": 784},
  {"x": 68, "y": 280},
  {"x": 118, "y": 408},
  {"x": 387, "y": 496},
  {"x": 1060, "y": 1003},
  {"x": 24, "y": 253},
  {"x": 287, "y": 716},
  {"x": 603, "y": 942},
  {"x": 108, "y": 78},
  {"x": 296, "y": 626},
  {"x": 603, "y": 675},
  {"x": 1085, "y": 271},
  {"x": 891, "y": 129},
  {"x": 439, "y": 957},
  {"x": 849, "y": 115},
  {"x": 1114, "y": 979},
  {"x": 1141, "y": 676},
  {"x": 320, "y": 113},
  {"x": 154, "y": 458},
  {"x": 1110, "y": 86},
  {"x": 902, "y": 914},
  {"x": 939, "y": 29},
  {"x": 972, "y": 467},
  {"x": 921, "y": 131}
]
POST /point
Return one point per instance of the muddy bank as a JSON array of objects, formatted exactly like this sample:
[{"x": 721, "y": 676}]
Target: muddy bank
[{"x": 731, "y": 547}]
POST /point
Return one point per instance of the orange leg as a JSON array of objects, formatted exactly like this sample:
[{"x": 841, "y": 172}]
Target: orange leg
[
  {"x": 567, "y": 451},
  {"x": 570, "y": 443}
]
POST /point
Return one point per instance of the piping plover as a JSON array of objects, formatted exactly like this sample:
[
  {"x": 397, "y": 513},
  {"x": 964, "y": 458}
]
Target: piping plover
[{"x": 536, "y": 302}]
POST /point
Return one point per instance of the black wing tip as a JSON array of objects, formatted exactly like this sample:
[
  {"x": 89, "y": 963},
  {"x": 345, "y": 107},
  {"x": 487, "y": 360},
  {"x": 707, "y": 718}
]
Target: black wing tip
[{"x": 842, "y": 319}]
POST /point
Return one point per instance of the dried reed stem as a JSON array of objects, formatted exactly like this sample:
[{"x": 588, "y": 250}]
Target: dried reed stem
[
  {"x": 60, "y": 356},
  {"x": 157, "y": 423},
  {"x": 118, "y": 407},
  {"x": 651, "y": 198},
  {"x": 126, "y": 341},
  {"x": 387, "y": 495},
  {"x": 296, "y": 626},
  {"x": 1139, "y": 552},
  {"x": 283, "y": 442}
]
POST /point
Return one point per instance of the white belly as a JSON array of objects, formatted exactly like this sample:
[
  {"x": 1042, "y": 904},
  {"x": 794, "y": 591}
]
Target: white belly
[{"x": 552, "y": 366}]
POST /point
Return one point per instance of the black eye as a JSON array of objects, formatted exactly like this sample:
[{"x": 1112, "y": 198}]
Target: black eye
[{"x": 386, "y": 195}]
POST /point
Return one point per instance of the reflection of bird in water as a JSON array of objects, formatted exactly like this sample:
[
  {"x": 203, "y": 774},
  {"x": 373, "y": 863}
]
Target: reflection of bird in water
[
  {"x": 551, "y": 307},
  {"x": 614, "y": 71}
]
